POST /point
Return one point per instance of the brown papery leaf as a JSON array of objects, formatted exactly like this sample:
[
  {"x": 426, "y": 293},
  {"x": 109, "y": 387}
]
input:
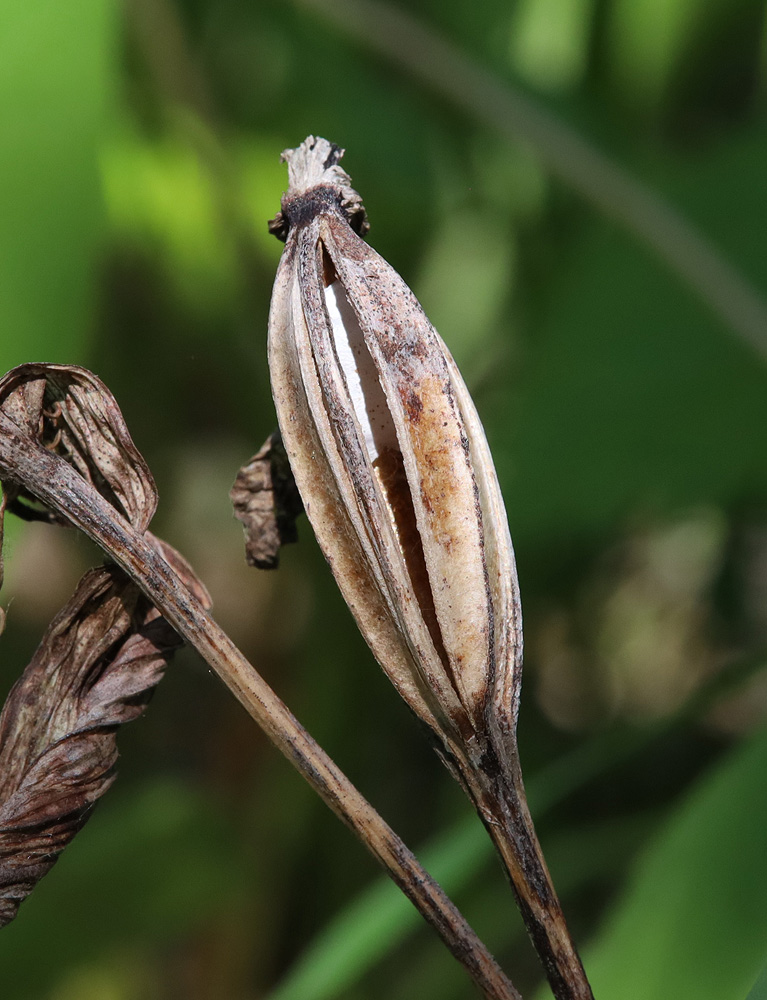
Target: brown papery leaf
[
  {"x": 102, "y": 656},
  {"x": 266, "y": 500},
  {"x": 73, "y": 414},
  {"x": 95, "y": 669}
]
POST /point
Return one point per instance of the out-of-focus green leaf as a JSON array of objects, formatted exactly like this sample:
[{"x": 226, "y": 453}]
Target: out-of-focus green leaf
[
  {"x": 649, "y": 40},
  {"x": 144, "y": 870},
  {"x": 161, "y": 198},
  {"x": 378, "y": 919},
  {"x": 57, "y": 83},
  {"x": 166, "y": 198},
  {"x": 263, "y": 182},
  {"x": 466, "y": 279},
  {"x": 580, "y": 858},
  {"x": 510, "y": 179},
  {"x": 549, "y": 41},
  {"x": 648, "y": 37},
  {"x": 634, "y": 397},
  {"x": 381, "y": 917},
  {"x": 692, "y": 924},
  {"x": 759, "y": 991}
]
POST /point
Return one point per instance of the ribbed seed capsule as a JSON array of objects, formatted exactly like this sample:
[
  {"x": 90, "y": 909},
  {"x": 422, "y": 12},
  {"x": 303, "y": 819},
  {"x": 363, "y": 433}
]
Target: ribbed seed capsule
[{"x": 392, "y": 463}]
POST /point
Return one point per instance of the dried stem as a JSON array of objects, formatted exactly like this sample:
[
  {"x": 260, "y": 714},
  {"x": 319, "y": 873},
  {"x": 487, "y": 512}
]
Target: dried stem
[
  {"x": 501, "y": 802},
  {"x": 58, "y": 486},
  {"x": 621, "y": 196}
]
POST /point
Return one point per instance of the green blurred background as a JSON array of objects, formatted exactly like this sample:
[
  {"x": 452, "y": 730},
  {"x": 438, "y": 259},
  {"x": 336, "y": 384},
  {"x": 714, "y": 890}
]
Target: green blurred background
[{"x": 622, "y": 378}]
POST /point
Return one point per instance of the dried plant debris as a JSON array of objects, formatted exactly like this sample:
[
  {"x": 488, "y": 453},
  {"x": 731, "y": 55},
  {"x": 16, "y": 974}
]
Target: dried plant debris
[
  {"x": 68, "y": 411},
  {"x": 265, "y": 499},
  {"x": 105, "y": 652},
  {"x": 95, "y": 669},
  {"x": 91, "y": 496}
]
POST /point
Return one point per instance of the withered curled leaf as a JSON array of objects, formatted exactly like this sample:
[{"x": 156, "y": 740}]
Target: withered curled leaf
[
  {"x": 94, "y": 670},
  {"x": 66, "y": 412},
  {"x": 392, "y": 464},
  {"x": 102, "y": 656},
  {"x": 70, "y": 412}
]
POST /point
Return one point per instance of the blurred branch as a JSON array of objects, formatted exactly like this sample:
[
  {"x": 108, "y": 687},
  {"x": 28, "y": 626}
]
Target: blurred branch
[
  {"x": 186, "y": 97},
  {"x": 501, "y": 106},
  {"x": 161, "y": 38}
]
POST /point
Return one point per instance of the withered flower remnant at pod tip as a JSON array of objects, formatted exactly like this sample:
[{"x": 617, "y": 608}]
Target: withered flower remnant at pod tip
[{"x": 392, "y": 464}]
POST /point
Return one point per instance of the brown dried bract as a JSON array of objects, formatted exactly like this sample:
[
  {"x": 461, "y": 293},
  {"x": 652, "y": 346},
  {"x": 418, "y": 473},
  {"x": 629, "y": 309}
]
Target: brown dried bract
[{"x": 265, "y": 499}]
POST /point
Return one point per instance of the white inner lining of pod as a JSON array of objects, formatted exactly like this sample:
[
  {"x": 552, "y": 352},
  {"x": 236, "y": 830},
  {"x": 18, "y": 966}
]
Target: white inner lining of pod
[{"x": 367, "y": 396}]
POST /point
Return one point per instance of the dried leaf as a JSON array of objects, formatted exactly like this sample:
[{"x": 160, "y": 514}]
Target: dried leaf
[
  {"x": 71, "y": 413},
  {"x": 66, "y": 411},
  {"x": 265, "y": 499},
  {"x": 101, "y": 658},
  {"x": 95, "y": 669}
]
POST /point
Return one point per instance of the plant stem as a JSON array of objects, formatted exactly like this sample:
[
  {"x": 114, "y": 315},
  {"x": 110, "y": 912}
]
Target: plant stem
[
  {"x": 442, "y": 66},
  {"x": 57, "y": 485},
  {"x": 502, "y": 804}
]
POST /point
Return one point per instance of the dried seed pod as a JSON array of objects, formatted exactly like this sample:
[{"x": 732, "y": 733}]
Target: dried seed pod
[
  {"x": 392, "y": 464},
  {"x": 394, "y": 470}
]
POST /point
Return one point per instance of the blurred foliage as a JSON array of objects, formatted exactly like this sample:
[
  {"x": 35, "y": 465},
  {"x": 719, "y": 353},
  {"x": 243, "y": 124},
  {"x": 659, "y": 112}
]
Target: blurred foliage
[
  {"x": 696, "y": 899},
  {"x": 138, "y": 167},
  {"x": 759, "y": 992}
]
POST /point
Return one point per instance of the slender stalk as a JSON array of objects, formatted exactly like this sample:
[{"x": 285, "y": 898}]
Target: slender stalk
[
  {"x": 410, "y": 44},
  {"x": 502, "y": 804},
  {"x": 57, "y": 485}
]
